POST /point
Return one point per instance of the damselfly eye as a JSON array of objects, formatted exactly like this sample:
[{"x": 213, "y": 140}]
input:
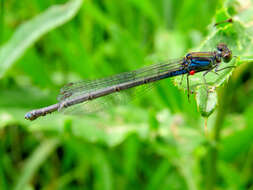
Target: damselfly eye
[
  {"x": 227, "y": 58},
  {"x": 219, "y": 48}
]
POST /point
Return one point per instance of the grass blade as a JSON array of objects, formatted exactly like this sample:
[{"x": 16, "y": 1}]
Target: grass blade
[{"x": 33, "y": 29}]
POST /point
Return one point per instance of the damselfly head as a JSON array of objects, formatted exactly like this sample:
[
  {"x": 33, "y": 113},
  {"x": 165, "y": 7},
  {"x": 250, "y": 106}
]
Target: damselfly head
[
  {"x": 29, "y": 116},
  {"x": 224, "y": 52}
]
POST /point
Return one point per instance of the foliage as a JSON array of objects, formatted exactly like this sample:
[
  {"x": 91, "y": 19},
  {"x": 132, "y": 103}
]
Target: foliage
[{"x": 159, "y": 141}]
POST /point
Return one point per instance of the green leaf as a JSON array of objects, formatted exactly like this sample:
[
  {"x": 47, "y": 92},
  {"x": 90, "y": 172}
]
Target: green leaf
[
  {"x": 237, "y": 37},
  {"x": 34, "y": 161},
  {"x": 32, "y": 30},
  {"x": 102, "y": 171},
  {"x": 230, "y": 148},
  {"x": 245, "y": 59},
  {"x": 206, "y": 101}
]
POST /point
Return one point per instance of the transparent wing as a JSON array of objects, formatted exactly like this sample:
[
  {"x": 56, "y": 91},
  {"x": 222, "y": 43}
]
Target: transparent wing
[
  {"x": 104, "y": 102},
  {"x": 74, "y": 90}
]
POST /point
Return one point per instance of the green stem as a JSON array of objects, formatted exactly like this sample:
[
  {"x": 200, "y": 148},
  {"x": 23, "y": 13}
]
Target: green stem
[
  {"x": 223, "y": 99},
  {"x": 1, "y": 20}
]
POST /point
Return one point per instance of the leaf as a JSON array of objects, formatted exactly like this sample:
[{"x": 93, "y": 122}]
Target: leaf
[
  {"x": 237, "y": 38},
  {"x": 147, "y": 8},
  {"x": 34, "y": 161},
  {"x": 206, "y": 101},
  {"x": 230, "y": 149},
  {"x": 245, "y": 59},
  {"x": 32, "y": 30},
  {"x": 102, "y": 171}
]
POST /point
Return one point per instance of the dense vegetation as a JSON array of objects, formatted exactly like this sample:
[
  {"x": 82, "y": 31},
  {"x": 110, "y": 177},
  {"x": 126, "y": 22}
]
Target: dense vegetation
[{"x": 158, "y": 141}]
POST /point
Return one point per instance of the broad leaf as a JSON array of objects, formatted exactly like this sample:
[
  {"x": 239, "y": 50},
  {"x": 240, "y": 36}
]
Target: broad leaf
[{"x": 237, "y": 38}]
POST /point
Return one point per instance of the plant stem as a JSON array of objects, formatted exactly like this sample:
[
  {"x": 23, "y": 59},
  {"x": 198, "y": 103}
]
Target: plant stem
[
  {"x": 223, "y": 99},
  {"x": 1, "y": 20}
]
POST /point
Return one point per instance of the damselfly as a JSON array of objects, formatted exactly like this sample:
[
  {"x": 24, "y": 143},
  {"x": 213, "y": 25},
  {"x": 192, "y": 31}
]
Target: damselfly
[{"x": 87, "y": 91}]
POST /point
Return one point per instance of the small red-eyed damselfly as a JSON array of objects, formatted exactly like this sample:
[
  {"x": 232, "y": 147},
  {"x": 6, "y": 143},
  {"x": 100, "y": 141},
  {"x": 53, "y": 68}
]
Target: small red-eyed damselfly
[{"x": 85, "y": 92}]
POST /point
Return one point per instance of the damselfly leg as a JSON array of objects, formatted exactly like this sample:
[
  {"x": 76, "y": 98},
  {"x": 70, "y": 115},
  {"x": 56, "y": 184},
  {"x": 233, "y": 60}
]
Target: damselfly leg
[
  {"x": 228, "y": 67},
  {"x": 181, "y": 81},
  {"x": 188, "y": 87}
]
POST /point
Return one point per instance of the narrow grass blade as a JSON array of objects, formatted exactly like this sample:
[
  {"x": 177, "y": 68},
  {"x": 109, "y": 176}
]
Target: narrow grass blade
[{"x": 32, "y": 30}]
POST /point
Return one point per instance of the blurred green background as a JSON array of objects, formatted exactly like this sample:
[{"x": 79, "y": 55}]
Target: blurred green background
[{"x": 158, "y": 141}]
